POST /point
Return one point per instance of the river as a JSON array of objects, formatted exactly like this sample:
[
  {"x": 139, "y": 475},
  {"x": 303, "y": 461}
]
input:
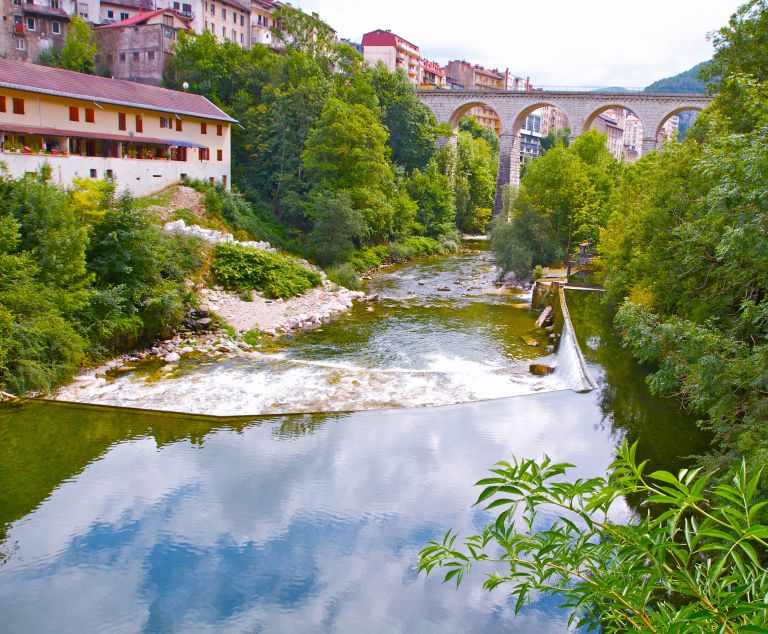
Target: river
[{"x": 123, "y": 520}]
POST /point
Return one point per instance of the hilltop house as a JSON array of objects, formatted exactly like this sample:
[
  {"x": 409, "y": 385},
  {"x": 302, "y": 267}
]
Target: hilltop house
[{"x": 143, "y": 137}]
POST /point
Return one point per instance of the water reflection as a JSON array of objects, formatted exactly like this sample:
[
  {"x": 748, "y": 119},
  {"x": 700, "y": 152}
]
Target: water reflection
[{"x": 232, "y": 528}]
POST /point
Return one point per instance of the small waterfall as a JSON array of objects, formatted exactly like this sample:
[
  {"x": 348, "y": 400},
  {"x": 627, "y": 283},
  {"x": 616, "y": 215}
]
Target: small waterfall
[{"x": 571, "y": 367}]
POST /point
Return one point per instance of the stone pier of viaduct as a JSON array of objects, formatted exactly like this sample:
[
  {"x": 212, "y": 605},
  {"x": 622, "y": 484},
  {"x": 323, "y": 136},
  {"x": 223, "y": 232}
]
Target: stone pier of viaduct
[{"x": 581, "y": 109}]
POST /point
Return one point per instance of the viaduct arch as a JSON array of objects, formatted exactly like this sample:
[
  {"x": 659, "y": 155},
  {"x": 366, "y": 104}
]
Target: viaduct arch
[{"x": 581, "y": 109}]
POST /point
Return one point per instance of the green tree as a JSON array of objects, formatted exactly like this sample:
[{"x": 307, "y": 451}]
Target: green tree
[
  {"x": 347, "y": 151},
  {"x": 433, "y": 194},
  {"x": 78, "y": 51},
  {"x": 410, "y": 123},
  {"x": 697, "y": 564},
  {"x": 337, "y": 228}
]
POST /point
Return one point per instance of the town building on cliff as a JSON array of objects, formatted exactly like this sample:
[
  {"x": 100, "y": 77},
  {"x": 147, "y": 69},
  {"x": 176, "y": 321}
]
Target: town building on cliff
[{"x": 142, "y": 137}]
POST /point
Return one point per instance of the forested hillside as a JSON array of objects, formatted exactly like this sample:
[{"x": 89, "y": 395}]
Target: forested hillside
[
  {"x": 687, "y": 81},
  {"x": 338, "y": 159},
  {"x": 682, "y": 241}
]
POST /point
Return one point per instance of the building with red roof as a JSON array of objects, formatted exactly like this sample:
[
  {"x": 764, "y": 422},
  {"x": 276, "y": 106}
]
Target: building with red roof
[
  {"x": 394, "y": 52},
  {"x": 143, "y": 137}
]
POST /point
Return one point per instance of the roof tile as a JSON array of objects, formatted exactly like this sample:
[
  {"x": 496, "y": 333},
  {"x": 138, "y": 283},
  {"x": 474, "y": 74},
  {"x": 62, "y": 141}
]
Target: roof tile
[{"x": 67, "y": 83}]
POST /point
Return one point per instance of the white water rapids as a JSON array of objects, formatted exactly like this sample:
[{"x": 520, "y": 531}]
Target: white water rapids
[{"x": 410, "y": 353}]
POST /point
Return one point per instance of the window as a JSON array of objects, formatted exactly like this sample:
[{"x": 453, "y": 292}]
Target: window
[
  {"x": 178, "y": 125},
  {"x": 205, "y": 154},
  {"x": 110, "y": 13},
  {"x": 18, "y": 105},
  {"x": 139, "y": 124},
  {"x": 19, "y": 44},
  {"x": 223, "y": 32},
  {"x": 136, "y": 56},
  {"x": 150, "y": 54},
  {"x": 219, "y": 155},
  {"x": 242, "y": 39},
  {"x": 203, "y": 125},
  {"x": 165, "y": 122},
  {"x": 223, "y": 13},
  {"x": 213, "y": 9},
  {"x": 123, "y": 16},
  {"x": 234, "y": 17},
  {"x": 93, "y": 173},
  {"x": 90, "y": 148},
  {"x": 30, "y": 24},
  {"x": 219, "y": 130},
  {"x": 242, "y": 21},
  {"x": 186, "y": 9},
  {"x": 90, "y": 115},
  {"x": 2, "y": 104},
  {"x": 234, "y": 35},
  {"x": 83, "y": 10},
  {"x": 18, "y": 2},
  {"x": 168, "y": 19},
  {"x": 56, "y": 28},
  {"x": 121, "y": 121},
  {"x": 110, "y": 175},
  {"x": 54, "y": 4}
]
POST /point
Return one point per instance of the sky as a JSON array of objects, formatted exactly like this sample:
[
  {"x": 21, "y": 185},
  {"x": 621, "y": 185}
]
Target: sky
[{"x": 555, "y": 42}]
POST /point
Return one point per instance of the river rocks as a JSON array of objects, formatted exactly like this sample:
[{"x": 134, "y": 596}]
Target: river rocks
[
  {"x": 213, "y": 236},
  {"x": 444, "y": 289},
  {"x": 531, "y": 342},
  {"x": 373, "y": 298},
  {"x": 172, "y": 357},
  {"x": 539, "y": 369}
]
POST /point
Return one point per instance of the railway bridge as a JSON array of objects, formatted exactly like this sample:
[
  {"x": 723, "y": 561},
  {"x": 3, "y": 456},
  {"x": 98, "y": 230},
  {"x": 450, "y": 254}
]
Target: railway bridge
[{"x": 581, "y": 109}]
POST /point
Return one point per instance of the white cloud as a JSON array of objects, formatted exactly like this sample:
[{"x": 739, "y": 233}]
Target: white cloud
[{"x": 560, "y": 42}]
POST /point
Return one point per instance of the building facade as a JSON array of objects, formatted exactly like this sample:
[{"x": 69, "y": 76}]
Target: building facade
[
  {"x": 143, "y": 137},
  {"x": 29, "y": 28},
  {"x": 139, "y": 48},
  {"x": 461, "y": 75},
  {"x": 432, "y": 74},
  {"x": 394, "y": 52},
  {"x": 530, "y": 137}
]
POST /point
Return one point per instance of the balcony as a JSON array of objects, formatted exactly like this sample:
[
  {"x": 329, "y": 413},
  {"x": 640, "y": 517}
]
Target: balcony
[{"x": 18, "y": 28}]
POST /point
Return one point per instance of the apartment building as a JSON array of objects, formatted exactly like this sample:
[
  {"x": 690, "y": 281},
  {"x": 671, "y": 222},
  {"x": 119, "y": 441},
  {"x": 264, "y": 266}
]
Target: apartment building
[
  {"x": 530, "y": 137},
  {"x": 461, "y": 75},
  {"x": 394, "y": 52},
  {"x": 611, "y": 123},
  {"x": 432, "y": 74},
  {"x": 139, "y": 48},
  {"x": 228, "y": 20},
  {"x": 30, "y": 27},
  {"x": 552, "y": 119},
  {"x": 143, "y": 137}
]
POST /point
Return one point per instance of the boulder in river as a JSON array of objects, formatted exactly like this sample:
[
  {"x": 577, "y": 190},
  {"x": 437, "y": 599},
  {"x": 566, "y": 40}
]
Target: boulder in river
[{"x": 539, "y": 369}]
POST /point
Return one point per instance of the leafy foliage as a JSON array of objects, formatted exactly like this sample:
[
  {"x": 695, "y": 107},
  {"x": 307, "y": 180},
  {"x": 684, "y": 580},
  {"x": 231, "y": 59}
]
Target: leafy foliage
[
  {"x": 78, "y": 51},
  {"x": 244, "y": 269},
  {"x": 696, "y": 564},
  {"x": 561, "y": 201}
]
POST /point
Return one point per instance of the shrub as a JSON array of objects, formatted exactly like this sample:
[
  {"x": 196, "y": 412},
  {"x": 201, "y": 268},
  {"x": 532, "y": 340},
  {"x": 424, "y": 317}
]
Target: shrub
[
  {"x": 401, "y": 252},
  {"x": 698, "y": 565},
  {"x": 538, "y": 272},
  {"x": 344, "y": 275},
  {"x": 242, "y": 269}
]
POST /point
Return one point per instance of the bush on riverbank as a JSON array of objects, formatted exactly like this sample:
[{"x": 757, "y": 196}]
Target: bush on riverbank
[
  {"x": 344, "y": 275},
  {"x": 83, "y": 274},
  {"x": 277, "y": 276}
]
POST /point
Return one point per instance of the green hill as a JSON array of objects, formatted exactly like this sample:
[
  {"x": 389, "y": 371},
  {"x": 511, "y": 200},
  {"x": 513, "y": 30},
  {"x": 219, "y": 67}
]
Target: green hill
[{"x": 687, "y": 81}]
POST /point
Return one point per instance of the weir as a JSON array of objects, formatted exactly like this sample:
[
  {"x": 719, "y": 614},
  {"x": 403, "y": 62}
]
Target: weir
[{"x": 571, "y": 366}]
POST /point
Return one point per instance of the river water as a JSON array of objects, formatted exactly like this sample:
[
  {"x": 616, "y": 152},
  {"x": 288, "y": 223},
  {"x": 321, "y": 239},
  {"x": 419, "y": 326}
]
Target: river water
[{"x": 139, "y": 521}]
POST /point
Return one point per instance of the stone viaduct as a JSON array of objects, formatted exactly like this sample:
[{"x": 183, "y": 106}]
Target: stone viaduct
[{"x": 581, "y": 109}]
